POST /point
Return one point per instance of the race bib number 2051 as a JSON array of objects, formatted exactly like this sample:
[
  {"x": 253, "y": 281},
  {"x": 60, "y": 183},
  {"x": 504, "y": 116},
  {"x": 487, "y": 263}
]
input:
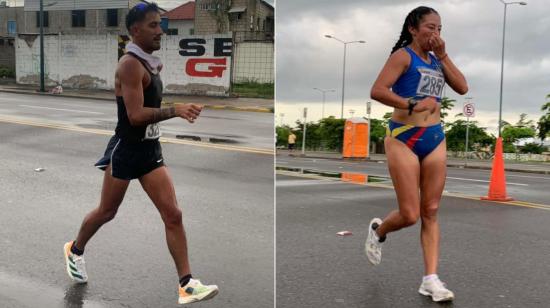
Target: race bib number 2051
[{"x": 431, "y": 83}]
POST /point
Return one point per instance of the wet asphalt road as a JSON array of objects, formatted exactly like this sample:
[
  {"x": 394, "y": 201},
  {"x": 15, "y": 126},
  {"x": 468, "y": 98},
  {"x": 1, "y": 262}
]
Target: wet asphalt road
[
  {"x": 250, "y": 129},
  {"x": 492, "y": 255},
  {"x": 227, "y": 201},
  {"x": 528, "y": 187}
]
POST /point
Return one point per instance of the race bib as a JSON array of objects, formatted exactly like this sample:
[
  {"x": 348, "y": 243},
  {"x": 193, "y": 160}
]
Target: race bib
[
  {"x": 431, "y": 83},
  {"x": 152, "y": 131}
]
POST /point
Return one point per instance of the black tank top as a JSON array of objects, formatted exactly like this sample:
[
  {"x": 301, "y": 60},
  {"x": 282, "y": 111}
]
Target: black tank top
[{"x": 152, "y": 98}]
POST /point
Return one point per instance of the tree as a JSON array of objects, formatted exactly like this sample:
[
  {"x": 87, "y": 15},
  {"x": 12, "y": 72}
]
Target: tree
[
  {"x": 446, "y": 104},
  {"x": 377, "y": 130},
  {"x": 534, "y": 148},
  {"x": 544, "y": 121},
  {"x": 331, "y": 131},
  {"x": 524, "y": 123},
  {"x": 282, "y": 135},
  {"x": 477, "y": 136},
  {"x": 387, "y": 117}
]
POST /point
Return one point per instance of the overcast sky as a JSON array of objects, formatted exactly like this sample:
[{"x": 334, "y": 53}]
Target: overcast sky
[{"x": 472, "y": 31}]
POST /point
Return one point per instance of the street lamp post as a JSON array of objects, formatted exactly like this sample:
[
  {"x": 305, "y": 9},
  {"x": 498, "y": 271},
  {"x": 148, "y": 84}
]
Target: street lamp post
[
  {"x": 323, "y": 91},
  {"x": 41, "y": 20},
  {"x": 344, "y": 68},
  {"x": 502, "y": 61},
  {"x": 42, "y": 88}
]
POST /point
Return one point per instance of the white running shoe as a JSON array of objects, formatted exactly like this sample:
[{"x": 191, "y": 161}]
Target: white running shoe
[
  {"x": 76, "y": 267},
  {"x": 437, "y": 290},
  {"x": 195, "y": 291},
  {"x": 373, "y": 247}
]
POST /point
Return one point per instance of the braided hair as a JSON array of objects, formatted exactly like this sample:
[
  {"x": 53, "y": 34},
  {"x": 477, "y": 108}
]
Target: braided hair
[{"x": 412, "y": 20}]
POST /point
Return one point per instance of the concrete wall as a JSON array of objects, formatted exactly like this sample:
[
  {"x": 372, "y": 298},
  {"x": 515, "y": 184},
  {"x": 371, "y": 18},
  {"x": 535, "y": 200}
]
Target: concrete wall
[
  {"x": 254, "y": 62},
  {"x": 89, "y": 62}
]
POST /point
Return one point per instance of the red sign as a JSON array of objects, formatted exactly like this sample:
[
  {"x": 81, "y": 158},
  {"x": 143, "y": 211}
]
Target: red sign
[{"x": 214, "y": 70}]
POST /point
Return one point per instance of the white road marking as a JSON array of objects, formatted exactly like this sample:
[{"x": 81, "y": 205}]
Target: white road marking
[
  {"x": 61, "y": 109},
  {"x": 484, "y": 181},
  {"x": 293, "y": 183}
]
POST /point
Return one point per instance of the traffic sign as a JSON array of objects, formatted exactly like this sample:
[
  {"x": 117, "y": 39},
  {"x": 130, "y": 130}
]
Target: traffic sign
[{"x": 469, "y": 110}]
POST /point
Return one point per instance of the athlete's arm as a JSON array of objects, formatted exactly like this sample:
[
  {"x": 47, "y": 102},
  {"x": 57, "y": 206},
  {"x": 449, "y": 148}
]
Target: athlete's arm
[
  {"x": 130, "y": 74},
  {"x": 396, "y": 65},
  {"x": 453, "y": 76}
]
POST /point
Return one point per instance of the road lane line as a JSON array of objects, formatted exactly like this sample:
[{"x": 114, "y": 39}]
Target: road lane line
[
  {"x": 14, "y": 120},
  {"x": 485, "y": 181},
  {"x": 447, "y": 194},
  {"x": 61, "y": 109}
]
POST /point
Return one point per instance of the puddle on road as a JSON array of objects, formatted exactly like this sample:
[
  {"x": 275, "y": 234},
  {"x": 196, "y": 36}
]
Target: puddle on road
[
  {"x": 208, "y": 139},
  {"x": 352, "y": 177},
  {"x": 24, "y": 292}
]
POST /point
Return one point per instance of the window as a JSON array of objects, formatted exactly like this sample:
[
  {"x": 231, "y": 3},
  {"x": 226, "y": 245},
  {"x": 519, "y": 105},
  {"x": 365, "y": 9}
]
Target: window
[
  {"x": 191, "y": 31},
  {"x": 112, "y": 18},
  {"x": 46, "y": 19},
  {"x": 79, "y": 18},
  {"x": 10, "y": 42},
  {"x": 12, "y": 28},
  {"x": 1, "y": 42},
  {"x": 172, "y": 32}
]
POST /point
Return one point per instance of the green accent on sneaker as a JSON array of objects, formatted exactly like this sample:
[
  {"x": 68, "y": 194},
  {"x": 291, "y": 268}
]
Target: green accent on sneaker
[
  {"x": 73, "y": 268},
  {"x": 76, "y": 275}
]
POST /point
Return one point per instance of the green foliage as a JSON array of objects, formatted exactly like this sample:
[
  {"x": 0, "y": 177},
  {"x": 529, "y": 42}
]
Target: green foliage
[
  {"x": 331, "y": 131},
  {"x": 544, "y": 121},
  {"x": 254, "y": 89},
  {"x": 6, "y": 72},
  {"x": 511, "y": 134},
  {"x": 377, "y": 131},
  {"x": 446, "y": 104},
  {"x": 523, "y": 122},
  {"x": 282, "y": 135},
  {"x": 534, "y": 148},
  {"x": 477, "y": 137}
]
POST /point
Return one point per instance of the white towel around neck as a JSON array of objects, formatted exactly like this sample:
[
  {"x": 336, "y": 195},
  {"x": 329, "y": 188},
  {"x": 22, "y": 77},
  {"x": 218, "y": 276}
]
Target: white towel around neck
[{"x": 155, "y": 65}]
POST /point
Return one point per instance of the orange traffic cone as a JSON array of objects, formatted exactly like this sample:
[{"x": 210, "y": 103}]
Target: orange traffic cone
[{"x": 497, "y": 187}]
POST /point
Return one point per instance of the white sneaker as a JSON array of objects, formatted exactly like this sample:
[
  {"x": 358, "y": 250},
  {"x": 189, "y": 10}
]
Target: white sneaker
[
  {"x": 437, "y": 290},
  {"x": 373, "y": 248},
  {"x": 76, "y": 267},
  {"x": 195, "y": 291}
]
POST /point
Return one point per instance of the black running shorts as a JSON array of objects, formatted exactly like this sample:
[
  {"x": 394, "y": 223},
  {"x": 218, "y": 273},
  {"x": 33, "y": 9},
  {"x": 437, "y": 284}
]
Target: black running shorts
[{"x": 131, "y": 160}]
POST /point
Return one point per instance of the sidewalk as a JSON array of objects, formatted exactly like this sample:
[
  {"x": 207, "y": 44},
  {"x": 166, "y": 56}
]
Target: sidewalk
[
  {"x": 513, "y": 166},
  {"x": 209, "y": 102}
]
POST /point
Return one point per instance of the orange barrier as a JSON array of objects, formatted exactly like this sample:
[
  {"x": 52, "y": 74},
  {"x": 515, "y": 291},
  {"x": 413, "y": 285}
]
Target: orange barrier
[{"x": 497, "y": 187}]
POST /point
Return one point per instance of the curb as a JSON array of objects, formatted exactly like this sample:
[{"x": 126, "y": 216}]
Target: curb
[
  {"x": 215, "y": 107},
  {"x": 454, "y": 165}
]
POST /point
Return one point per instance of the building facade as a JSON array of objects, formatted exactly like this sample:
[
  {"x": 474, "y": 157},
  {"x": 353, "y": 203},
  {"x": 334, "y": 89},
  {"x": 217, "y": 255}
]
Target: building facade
[
  {"x": 77, "y": 16},
  {"x": 181, "y": 20},
  {"x": 249, "y": 20}
]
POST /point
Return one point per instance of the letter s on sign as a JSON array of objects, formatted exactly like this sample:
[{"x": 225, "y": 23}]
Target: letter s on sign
[{"x": 214, "y": 70}]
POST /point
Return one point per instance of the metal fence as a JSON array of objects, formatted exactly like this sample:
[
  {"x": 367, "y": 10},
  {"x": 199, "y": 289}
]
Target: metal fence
[{"x": 253, "y": 57}]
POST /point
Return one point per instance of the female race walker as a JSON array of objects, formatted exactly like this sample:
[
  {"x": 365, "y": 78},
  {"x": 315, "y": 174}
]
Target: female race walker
[{"x": 412, "y": 81}]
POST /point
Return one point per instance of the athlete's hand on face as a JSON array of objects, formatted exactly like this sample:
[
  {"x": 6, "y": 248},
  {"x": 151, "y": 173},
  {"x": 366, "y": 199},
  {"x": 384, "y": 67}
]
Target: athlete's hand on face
[
  {"x": 190, "y": 112},
  {"x": 429, "y": 103},
  {"x": 438, "y": 45}
]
